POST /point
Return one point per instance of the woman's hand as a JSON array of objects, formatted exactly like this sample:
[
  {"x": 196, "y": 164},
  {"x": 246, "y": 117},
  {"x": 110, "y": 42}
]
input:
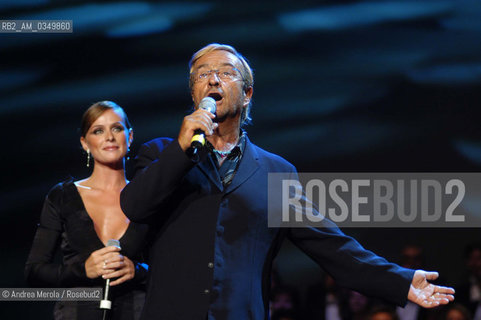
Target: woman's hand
[
  {"x": 123, "y": 269},
  {"x": 98, "y": 263},
  {"x": 109, "y": 263}
]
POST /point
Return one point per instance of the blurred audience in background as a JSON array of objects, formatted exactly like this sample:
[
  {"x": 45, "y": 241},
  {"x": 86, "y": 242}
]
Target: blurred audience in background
[
  {"x": 283, "y": 314},
  {"x": 353, "y": 305},
  {"x": 284, "y": 298},
  {"x": 412, "y": 257},
  {"x": 322, "y": 300},
  {"x": 327, "y": 301},
  {"x": 468, "y": 292},
  {"x": 453, "y": 311},
  {"x": 383, "y": 312}
]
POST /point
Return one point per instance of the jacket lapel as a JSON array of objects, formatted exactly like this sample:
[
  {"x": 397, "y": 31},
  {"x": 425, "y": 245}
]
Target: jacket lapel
[
  {"x": 248, "y": 165},
  {"x": 207, "y": 166}
]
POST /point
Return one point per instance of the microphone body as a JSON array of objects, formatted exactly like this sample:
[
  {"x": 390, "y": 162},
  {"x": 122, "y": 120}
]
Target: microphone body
[
  {"x": 105, "y": 303},
  {"x": 198, "y": 140}
]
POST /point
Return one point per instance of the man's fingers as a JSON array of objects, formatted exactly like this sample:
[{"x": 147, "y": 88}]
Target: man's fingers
[
  {"x": 431, "y": 275},
  {"x": 427, "y": 294},
  {"x": 200, "y": 121},
  {"x": 203, "y": 111},
  {"x": 442, "y": 300},
  {"x": 437, "y": 299},
  {"x": 448, "y": 297},
  {"x": 441, "y": 289},
  {"x": 207, "y": 123}
]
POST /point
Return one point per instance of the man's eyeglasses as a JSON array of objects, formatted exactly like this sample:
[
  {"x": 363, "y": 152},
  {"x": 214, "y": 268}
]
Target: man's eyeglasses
[{"x": 223, "y": 73}]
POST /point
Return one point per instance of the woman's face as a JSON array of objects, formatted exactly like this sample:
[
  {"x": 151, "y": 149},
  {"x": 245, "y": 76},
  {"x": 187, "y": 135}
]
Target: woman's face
[{"x": 108, "y": 138}]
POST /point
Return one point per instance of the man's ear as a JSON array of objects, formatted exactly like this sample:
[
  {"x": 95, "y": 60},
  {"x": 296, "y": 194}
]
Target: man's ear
[{"x": 248, "y": 95}]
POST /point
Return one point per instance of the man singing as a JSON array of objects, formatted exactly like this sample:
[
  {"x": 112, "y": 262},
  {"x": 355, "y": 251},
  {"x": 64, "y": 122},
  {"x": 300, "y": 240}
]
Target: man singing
[{"x": 212, "y": 252}]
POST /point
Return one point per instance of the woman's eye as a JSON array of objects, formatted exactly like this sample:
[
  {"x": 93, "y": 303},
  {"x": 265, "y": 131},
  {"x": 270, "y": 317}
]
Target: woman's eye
[
  {"x": 118, "y": 129},
  {"x": 98, "y": 131}
]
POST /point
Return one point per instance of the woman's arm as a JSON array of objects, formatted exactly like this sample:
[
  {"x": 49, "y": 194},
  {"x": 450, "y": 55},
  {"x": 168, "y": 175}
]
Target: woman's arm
[{"x": 40, "y": 268}]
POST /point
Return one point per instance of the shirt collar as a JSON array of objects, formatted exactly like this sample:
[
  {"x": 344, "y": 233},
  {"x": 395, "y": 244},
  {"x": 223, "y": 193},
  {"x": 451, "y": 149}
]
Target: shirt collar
[{"x": 237, "y": 151}]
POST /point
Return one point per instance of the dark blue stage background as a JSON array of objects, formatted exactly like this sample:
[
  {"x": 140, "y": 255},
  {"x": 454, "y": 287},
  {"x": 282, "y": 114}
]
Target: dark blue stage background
[{"x": 340, "y": 86}]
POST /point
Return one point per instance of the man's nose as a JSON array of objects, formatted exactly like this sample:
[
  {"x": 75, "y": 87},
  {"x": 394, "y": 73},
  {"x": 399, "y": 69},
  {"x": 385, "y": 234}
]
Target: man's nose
[{"x": 213, "y": 78}]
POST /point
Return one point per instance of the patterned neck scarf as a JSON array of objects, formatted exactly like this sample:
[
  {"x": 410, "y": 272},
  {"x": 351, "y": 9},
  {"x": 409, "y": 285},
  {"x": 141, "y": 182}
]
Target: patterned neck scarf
[{"x": 231, "y": 159}]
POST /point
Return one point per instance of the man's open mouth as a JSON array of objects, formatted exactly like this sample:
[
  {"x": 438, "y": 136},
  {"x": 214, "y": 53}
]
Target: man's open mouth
[{"x": 215, "y": 95}]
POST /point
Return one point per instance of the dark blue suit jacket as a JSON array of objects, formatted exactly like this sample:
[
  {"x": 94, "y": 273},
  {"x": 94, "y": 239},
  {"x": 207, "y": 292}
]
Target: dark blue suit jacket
[{"x": 213, "y": 251}]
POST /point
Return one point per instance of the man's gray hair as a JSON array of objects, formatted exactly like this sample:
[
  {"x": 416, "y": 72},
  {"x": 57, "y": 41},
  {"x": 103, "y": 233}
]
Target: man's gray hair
[{"x": 246, "y": 72}]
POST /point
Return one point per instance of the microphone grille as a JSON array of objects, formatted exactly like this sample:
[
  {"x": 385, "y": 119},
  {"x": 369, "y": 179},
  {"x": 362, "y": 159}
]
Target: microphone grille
[
  {"x": 113, "y": 242},
  {"x": 208, "y": 103}
]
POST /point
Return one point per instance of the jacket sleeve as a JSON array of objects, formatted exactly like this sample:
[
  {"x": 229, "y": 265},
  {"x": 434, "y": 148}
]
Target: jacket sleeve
[
  {"x": 160, "y": 167},
  {"x": 40, "y": 268},
  {"x": 350, "y": 264}
]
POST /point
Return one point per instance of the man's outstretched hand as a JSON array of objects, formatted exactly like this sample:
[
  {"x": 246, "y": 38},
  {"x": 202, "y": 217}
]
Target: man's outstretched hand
[{"x": 426, "y": 294}]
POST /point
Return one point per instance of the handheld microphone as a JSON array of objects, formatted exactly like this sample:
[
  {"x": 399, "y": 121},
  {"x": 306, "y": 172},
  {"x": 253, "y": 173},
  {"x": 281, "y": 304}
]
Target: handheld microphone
[
  {"x": 198, "y": 140},
  {"x": 105, "y": 303}
]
